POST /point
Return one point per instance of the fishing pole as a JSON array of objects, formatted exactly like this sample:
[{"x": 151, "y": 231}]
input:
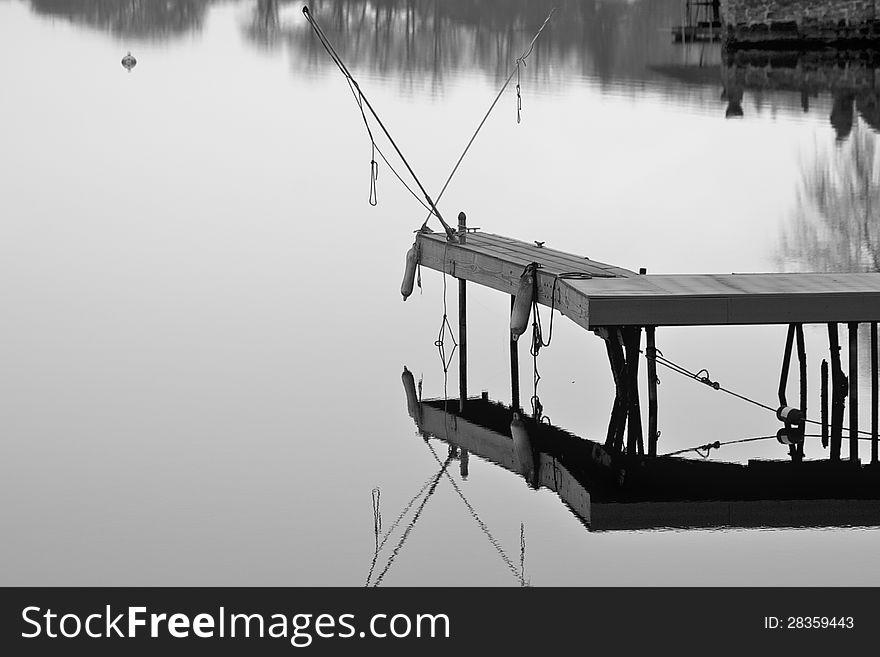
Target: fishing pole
[
  {"x": 450, "y": 232},
  {"x": 520, "y": 61}
]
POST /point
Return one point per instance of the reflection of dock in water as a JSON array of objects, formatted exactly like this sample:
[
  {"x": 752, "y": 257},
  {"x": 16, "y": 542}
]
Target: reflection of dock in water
[{"x": 613, "y": 492}]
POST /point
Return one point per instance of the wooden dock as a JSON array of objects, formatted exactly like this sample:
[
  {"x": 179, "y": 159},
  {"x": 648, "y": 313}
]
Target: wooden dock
[
  {"x": 614, "y": 296},
  {"x": 619, "y": 304}
]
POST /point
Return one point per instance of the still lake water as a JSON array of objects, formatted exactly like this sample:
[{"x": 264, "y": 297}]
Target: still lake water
[{"x": 203, "y": 334}]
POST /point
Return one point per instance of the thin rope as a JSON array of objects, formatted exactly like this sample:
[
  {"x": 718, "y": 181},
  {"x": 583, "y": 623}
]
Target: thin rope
[
  {"x": 435, "y": 480},
  {"x": 479, "y": 521},
  {"x": 445, "y": 327},
  {"x": 363, "y": 100},
  {"x": 538, "y": 333},
  {"x": 394, "y": 526},
  {"x": 515, "y": 71},
  {"x": 703, "y": 377}
]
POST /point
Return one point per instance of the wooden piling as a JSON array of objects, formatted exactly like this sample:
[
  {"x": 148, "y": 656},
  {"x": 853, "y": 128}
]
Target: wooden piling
[
  {"x": 462, "y": 323},
  {"x": 786, "y": 364},
  {"x": 634, "y": 440},
  {"x": 824, "y": 403},
  {"x": 838, "y": 392},
  {"x": 651, "y": 352},
  {"x": 874, "y": 393},
  {"x": 853, "y": 391},
  {"x": 514, "y": 366},
  {"x": 619, "y": 411}
]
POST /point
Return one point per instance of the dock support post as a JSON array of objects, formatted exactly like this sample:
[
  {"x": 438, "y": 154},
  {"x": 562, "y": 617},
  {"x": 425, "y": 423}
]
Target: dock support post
[
  {"x": 634, "y": 441},
  {"x": 853, "y": 391},
  {"x": 651, "y": 353},
  {"x": 514, "y": 366},
  {"x": 614, "y": 439},
  {"x": 874, "y": 393},
  {"x": 462, "y": 324},
  {"x": 783, "y": 382},
  {"x": 838, "y": 392},
  {"x": 802, "y": 370},
  {"x": 824, "y": 404}
]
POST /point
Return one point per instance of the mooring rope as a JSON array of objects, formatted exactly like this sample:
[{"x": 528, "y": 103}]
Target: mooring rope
[
  {"x": 479, "y": 521},
  {"x": 520, "y": 60},
  {"x": 434, "y": 481},
  {"x": 538, "y": 333},
  {"x": 445, "y": 327},
  {"x": 390, "y": 531},
  {"x": 703, "y": 377},
  {"x": 703, "y": 450},
  {"x": 362, "y": 100}
]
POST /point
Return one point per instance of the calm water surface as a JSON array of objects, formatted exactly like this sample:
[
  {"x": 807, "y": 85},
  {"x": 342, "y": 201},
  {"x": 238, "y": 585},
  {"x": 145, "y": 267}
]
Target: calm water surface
[{"x": 203, "y": 335}]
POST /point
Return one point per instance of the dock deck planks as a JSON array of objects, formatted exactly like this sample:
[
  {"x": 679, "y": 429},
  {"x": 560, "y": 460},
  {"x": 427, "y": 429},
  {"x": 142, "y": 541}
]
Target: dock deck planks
[{"x": 615, "y": 296}]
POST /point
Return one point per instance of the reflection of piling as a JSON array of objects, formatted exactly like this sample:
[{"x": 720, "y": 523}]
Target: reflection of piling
[
  {"x": 634, "y": 442},
  {"x": 838, "y": 392},
  {"x": 853, "y": 391},
  {"x": 514, "y": 366},
  {"x": 622, "y": 345},
  {"x": 874, "y": 392},
  {"x": 802, "y": 370},
  {"x": 824, "y": 399},
  {"x": 651, "y": 353},
  {"x": 462, "y": 322},
  {"x": 617, "y": 423}
]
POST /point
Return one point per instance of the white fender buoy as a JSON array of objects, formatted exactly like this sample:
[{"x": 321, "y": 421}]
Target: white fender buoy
[
  {"x": 789, "y": 437},
  {"x": 522, "y": 450},
  {"x": 129, "y": 62},
  {"x": 412, "y": 401},
  {"x": 409, "y": 273},
  {"x": 522, "y": 305},
  {"x": 789, "y": 414}
]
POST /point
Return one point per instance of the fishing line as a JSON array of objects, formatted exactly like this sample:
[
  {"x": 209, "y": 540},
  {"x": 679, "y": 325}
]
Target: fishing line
[
  {"x": 520, "y": 60},
  {"x": 363, "y": 100}
]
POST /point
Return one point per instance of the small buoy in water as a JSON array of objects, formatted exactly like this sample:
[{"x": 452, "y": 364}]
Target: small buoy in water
[
  {"x": 522, "y": 306},
  {"x": 129, "y": 62},
  {"x": 412, "y": 400},
  {"x": 409, "y": 273}
]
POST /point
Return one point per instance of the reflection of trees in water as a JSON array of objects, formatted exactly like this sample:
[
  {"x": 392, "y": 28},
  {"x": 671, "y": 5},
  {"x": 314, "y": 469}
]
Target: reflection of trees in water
[
  {"x": 836, "y": 225},
  {"x": 264, "y": 26},
  {"x": 418, "y": 40},
  {"x": 129, "y": 18}
]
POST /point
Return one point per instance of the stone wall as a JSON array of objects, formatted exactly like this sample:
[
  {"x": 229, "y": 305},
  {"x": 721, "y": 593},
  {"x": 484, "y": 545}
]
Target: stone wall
[{"x": 821, "y": 21}]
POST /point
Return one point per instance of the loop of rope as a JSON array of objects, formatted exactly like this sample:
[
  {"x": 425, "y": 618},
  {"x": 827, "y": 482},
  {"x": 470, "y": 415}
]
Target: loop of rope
[
  {"x": 445, "y": 327},
  {"x": 522, "y": 59},
  {"x": 412, "y": 523},
  {"x": 704, "y": 378},
  {"x": 377, "y": 515},
  {"x": 361, "y": 100},
  {"x": 374, "y": 176},
  {"x": 519, "y": 62},
  {"x": 538, "y": 341}
]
